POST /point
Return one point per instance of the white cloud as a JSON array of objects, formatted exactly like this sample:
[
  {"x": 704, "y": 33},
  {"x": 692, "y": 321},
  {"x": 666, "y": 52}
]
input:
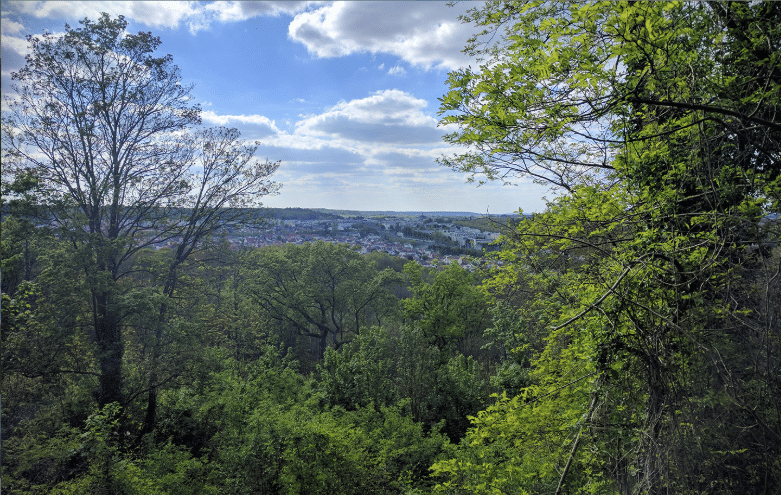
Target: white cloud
[
  {"x": 19, "y": 45},
  {"x": 385, "y": 140},
  {"x": 248, "y": 10},
  {"x": 195, "y": 15},
  {"x": 397, "y": 70},
  {"x": 11, "y": 27},
  {"x": 424, "y": 34},
  {"x": 158, "y": 14},
  {"x": 241, "y": 11},
  {"x": 13, "y": 50},
  {"x": 267, "y": 127},
  {"x": 390, "y": 106},
  {"x": 390, "y": 116}
]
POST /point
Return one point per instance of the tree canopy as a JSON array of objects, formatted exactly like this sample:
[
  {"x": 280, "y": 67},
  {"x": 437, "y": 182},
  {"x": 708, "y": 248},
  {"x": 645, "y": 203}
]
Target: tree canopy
[
  {"x": 655, "y": 268},
  {"x": 565, "y": 87},
  {"x": 322, "y": 290},
  {"x": 629, "y": 332}
]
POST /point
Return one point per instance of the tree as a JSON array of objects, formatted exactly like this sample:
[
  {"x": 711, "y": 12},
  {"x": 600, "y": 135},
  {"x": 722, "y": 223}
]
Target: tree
[
  {"x": 563, "y": 87},
  {"x": 658, "y": 125},
  {"x": 266, "y": 433},
  {"x": 384, "y": 368},
  {"x": 361, "y": 373},
  {"x": 19, "y": 253},
  {"x": 449, "y": 309},
  {"x": 229, "y": 181},
  {"x": 102, "y": 122},
  {"x": 321, "y": 290}
]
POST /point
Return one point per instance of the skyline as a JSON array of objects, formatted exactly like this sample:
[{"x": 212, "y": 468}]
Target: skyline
[{"x": 344, "y": 94}]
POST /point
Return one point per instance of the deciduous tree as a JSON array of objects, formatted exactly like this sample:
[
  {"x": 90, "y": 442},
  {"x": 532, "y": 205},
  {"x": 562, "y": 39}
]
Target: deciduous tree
[
  {"x": 658, "y": 123},
  {"x": 104, "y": 125},
  {"x": 322, "y": 290},
  {"x": 449, "y": 309}
]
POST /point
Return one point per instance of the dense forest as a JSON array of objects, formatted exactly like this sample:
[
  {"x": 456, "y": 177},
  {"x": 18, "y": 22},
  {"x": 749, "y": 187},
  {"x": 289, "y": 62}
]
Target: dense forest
[{"x": 626, "y": 340}]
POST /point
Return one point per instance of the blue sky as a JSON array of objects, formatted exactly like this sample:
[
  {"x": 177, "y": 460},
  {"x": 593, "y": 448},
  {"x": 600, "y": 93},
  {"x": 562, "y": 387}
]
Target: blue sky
[{"x": 345, "y": 94}]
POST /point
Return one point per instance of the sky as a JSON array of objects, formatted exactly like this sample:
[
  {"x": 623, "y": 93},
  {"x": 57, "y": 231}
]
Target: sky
[{"x": 345, "y": 94}]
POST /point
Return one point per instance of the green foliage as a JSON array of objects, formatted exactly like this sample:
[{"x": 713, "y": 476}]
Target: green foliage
[
  {"x": 380, "y": 368},
  {"x": 322, "y": 457},
  {"x": 299, "y": 214},
  {"x": 266, "y": 433},
  {"x": 74, "y": 461},
  {"x": 362, "y": 373},
  {"x": 400, "y": 448},
  {"x": 321, "y": 290},
  {"x": 460, "y": 392},
  {"x": 226, "y": 422},
  {"x": 176, "y": 472},
  {"x": 649, "y": 266},
  {"x": 108, "y": 471},
  {"x": 449, "y": 309},
  {"x": 509, "y": 331},
  {"x": 383, "y": 260},
  {"x": 47, "y": 370},
  {"x": 39, "y": 460}
]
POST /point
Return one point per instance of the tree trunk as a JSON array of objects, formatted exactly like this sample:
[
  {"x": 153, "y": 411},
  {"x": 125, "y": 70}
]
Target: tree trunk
[
  {"x": 653, "y": 480},
  {"x": 150, "y": 418},
  {"x": 323, "y": 341},
  {"x": 109, "y": 337}
]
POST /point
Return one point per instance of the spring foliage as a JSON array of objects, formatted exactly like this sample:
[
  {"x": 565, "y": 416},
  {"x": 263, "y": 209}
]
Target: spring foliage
[
  {"x": 654, "y": 269},
  {"x": 625, "y": 340}
]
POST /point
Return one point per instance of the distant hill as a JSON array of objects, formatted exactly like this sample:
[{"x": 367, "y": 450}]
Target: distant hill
[
  {"x": 299, "y": 214},
  {"x": 357, "y": 213},
  {"x": 326, "y": 214}
]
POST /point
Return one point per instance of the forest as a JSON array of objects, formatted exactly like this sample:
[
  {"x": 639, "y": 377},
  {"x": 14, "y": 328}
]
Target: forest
[{"x": 625, "y": 340}]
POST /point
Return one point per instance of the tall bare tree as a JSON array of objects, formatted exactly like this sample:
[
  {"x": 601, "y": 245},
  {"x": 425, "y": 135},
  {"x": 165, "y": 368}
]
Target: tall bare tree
[{"x": 106, "y": 126}]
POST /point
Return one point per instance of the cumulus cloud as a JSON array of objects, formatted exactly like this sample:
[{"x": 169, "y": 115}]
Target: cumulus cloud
[
  {"x": 389, "y": 116},
  {"x": 13, "y": 49},
  {"x": 369, "y": 132},
  {"x": 263, "y": 125},
  {"x": 254, "y": 9},
  {"x": 157, "y": 14},
  {"x": 240, "y": 11},
  {"x": 195, "y": 15},
  {"x": 11, "y": 27},
  {"x": 424, "y": 34},
  {"x": 319, "y": 153},
  {"x": 329, "y": 169},
  {"x": 13, "y": 43},
  {"x": 408, "y": 160},
  {"x": 397, "y": 71},
  {"x": 385, "y": 142}
]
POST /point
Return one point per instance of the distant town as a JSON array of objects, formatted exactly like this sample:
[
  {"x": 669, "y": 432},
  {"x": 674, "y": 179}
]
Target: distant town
[{"x": 426, "y": 237}]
